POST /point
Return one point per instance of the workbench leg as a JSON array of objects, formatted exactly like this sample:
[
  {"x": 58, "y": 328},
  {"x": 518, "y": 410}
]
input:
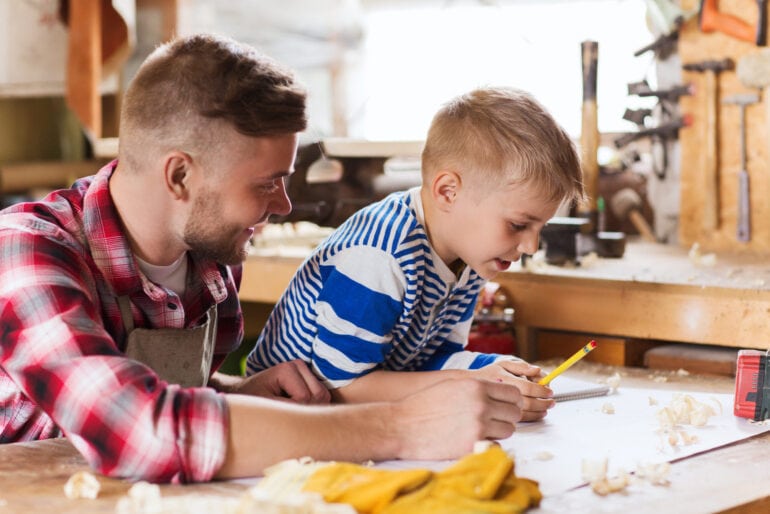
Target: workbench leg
[{"x": 526, "y": 342}]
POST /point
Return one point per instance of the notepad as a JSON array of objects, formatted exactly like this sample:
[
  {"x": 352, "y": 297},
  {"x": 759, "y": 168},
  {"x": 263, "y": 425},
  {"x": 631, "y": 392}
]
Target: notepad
[{"x": 569, "y": 388}]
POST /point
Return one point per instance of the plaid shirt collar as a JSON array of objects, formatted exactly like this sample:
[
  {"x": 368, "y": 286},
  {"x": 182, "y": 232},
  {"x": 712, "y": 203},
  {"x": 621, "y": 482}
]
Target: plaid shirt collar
[{"x": 112, "y": 254}]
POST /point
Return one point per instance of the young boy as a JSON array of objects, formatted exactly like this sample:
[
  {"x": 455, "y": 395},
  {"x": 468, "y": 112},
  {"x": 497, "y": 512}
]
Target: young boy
[{"x": 394, "y": 287}]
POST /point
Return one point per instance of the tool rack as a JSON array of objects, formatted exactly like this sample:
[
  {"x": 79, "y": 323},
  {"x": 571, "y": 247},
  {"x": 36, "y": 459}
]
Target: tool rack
[{"x": 697, "y": 46}]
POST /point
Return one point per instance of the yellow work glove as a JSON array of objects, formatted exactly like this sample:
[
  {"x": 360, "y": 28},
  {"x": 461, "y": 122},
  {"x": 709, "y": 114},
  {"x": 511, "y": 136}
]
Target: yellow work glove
[
  {"x": 480, "y": 483},
  {"x": 368, "y": 490}
]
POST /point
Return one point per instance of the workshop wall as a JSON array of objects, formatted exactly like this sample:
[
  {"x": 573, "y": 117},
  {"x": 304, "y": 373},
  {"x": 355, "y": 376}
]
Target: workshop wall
[{"x": 697, "y": 46}]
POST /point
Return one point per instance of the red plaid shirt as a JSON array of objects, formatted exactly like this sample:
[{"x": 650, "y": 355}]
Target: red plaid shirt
[{"x": 63, "y": 263}]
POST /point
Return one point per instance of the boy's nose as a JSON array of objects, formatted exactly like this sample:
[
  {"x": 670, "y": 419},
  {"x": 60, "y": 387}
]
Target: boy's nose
[{"x": 529, "y": 242}]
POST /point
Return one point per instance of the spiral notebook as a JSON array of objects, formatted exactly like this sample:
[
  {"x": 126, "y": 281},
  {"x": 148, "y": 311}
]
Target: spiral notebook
[{"x": 569, "y": 388}]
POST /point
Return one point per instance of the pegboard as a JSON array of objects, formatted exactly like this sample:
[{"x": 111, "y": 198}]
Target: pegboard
[{"x": 696, "y": 46}]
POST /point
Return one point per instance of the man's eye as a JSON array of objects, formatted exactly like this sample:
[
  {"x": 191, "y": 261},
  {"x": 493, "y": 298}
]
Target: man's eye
[
  {"x": 518, "y": 228},
  {"x": 272, "y": 187}
]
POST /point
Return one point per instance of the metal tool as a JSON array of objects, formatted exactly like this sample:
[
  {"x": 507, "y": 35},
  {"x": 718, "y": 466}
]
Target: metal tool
[
  {"x": 712, "y": 69},
  {"x": 744, "y": 202},
  {"x": 666, "y": 131},
  {"x": 753, "y": 70},
  {"x": 666, "y": 18}
]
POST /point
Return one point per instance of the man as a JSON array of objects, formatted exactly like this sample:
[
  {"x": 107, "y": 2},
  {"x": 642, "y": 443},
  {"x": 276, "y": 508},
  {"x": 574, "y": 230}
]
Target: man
[{"x": 118, "y": 296}]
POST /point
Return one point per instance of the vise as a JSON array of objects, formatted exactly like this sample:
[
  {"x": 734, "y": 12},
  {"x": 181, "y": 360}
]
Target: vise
[
  {"x": 334, "y": 178},
  {"x": 566, "y": 239}
]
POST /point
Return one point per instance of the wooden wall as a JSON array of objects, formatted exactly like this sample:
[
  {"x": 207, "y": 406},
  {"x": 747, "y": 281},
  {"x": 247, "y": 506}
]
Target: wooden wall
[{"x": 695, "y": 46}]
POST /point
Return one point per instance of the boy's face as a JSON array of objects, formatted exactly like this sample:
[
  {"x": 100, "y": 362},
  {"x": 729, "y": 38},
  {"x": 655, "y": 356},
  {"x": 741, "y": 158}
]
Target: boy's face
[{"x": 493, "y": 228}]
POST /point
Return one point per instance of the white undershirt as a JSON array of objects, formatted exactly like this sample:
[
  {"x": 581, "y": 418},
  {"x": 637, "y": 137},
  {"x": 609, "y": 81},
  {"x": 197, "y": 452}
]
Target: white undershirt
[{"x": 173, "y": 276}]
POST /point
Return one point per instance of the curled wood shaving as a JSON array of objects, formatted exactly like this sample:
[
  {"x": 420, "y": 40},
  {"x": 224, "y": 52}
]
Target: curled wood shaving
[{"x": 82, "y": 485}]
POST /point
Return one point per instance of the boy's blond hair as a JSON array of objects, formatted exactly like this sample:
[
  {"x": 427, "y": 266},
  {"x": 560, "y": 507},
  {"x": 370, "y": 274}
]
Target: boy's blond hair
[{"x": 502, "y": 135}]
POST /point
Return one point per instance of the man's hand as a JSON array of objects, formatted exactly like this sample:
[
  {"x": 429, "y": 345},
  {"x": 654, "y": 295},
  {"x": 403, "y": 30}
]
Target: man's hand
[
  {"x": 445, "y": 420},
  {"x": 536, "y": 399},
  {"x": 290, "y": 380}
]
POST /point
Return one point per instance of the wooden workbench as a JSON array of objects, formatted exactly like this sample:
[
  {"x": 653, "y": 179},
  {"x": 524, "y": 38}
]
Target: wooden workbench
[
  {"x": 734, "y": 478},
  {"x": 654, "y": 292}
]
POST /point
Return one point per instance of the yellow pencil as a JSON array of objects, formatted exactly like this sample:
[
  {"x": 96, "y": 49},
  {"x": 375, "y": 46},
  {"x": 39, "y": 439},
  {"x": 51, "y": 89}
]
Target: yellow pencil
[{"x": 569, "y": 362}]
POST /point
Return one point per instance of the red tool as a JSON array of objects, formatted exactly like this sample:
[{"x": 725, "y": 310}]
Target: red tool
[
  {"x": 710, "y": 20},
  {"x": 752, "y": 391}
]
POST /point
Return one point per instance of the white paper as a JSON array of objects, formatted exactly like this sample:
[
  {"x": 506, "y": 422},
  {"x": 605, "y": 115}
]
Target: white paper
[{"x": 579, "y": 430}]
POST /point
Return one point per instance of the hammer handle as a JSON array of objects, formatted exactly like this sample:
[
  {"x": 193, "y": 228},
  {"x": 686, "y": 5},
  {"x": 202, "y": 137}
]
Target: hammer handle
[
  {"x": 762, "y": 23},
  {"x": 710, "y": 155},
  {"x": 589, "y": 134}
]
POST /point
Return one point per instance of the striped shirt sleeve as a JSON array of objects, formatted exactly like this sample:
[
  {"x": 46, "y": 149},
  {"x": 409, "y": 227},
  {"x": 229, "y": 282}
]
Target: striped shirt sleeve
[{"x": 357, "y": 308}]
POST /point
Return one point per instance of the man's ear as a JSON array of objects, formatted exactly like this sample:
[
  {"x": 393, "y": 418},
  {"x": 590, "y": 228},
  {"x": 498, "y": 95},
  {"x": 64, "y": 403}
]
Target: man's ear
[
  {"x": 445, "y": 187},
  {"x": 177, "y": 169}
]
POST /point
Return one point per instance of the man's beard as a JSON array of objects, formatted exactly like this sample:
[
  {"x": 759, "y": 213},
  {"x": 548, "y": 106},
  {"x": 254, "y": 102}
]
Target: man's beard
[{"x": 212, "y": 240}]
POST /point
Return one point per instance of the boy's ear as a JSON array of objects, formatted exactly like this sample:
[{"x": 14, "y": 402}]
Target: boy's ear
[
  {"x": 445, "y": 187},
  {"x": 177, "y": 169}
]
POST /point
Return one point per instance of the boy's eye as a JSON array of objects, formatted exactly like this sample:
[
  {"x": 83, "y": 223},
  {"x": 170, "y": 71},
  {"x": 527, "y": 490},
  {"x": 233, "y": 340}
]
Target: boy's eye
[{"x": 518, "y": 228}]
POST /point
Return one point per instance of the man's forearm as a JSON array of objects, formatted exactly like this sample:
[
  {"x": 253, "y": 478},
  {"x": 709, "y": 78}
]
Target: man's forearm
[
  {"x": 263, "y": 432},
  {"x": 383, "y": 385},
  {"x": 224, "y": 383}
]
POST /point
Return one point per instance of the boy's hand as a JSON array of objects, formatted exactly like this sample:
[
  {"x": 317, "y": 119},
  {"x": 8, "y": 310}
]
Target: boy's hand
[
  {"x": 445, "y": 420},
  {"x": 536, "y": 399},
  {"x": 291, "y": 380}
]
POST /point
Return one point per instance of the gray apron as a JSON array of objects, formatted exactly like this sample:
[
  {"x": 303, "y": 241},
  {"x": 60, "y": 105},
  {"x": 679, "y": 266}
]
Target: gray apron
[{"x": 178, "y": 355}]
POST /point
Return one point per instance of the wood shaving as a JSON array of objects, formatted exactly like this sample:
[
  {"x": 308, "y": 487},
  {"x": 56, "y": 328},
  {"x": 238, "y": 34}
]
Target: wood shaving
[
  {"x": 82, "y": 485},
  {"x": 614, "y": 484},
  {"x": 544, "y": 455},
  {"x": 654, "y": 473},
  {"x": 682, "y": 372},
  {"x": 482, "y": 446},
  {"x": 652, "y": 401},
  {"x": 699, "y": 259},
  {"x": 614, "y": 381},
  {"x": 608, "y": 408},
  {"x": 145, "y": 498},
  {"x": 592, "y": 470},
  {"x": 659, "y": 379},
  {"x": 595, "y": 472}
]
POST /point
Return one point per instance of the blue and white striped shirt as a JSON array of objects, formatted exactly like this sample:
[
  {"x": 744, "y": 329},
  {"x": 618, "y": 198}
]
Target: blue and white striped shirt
[{"x": 374, "y": 295}]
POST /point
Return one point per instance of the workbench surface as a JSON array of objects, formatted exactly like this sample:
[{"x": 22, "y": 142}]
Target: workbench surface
[
  {"x": 734, "y": 478},
  {"x": 656, "y": 292}
]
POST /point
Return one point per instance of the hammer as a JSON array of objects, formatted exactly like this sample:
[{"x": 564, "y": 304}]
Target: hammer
[
  {"x": 589, "y": 133},
  {"x": 711, "y": 153},
  {"x": 626, "y": 204},
  {"x": 744, "y": 205},
  {"x": 753, "y": 70}
]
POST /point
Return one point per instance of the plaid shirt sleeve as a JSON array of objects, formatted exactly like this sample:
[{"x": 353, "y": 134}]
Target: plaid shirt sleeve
[{"x": 55, "y": 350}]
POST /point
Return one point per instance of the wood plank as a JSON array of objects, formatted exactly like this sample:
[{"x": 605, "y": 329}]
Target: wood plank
[
  {"x": 21, "y": 177},
  {"x": 653, "y": 292}
]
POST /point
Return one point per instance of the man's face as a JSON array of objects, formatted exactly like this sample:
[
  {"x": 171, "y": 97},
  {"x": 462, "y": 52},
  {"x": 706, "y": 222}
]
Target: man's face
[
  {"x": 247, "y": 186},
  {"x": 493, "y": 229}
]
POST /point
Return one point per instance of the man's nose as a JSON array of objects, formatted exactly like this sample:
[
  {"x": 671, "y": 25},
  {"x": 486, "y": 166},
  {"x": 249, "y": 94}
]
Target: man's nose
[{"x": 280, "y": 203}]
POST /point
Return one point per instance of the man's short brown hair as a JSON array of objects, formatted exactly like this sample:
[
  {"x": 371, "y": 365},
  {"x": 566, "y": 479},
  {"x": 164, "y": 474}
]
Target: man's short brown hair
[
  {"x": 499, "y": 135},
  {"x": 187, "y": 83}
]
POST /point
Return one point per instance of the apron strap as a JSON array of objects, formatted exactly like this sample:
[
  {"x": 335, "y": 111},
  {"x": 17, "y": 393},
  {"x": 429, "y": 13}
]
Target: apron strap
[{"x": 125, "y": 313}]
